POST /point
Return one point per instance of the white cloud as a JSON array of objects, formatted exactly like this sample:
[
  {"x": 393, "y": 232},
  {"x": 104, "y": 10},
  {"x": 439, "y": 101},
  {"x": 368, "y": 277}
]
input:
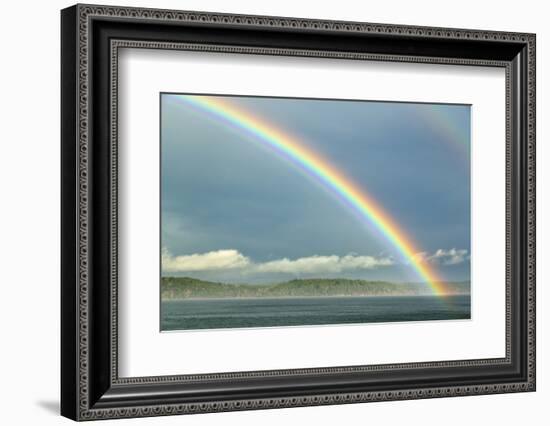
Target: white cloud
[
  {"x": 232, "y": 259},
  {"x": 214, "y": 260},
  {"x": 322, "y": 264},
  {"x": 444, "y": 257}
]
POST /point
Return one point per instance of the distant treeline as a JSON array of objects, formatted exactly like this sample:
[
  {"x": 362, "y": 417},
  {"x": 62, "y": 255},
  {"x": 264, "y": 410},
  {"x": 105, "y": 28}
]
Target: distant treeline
[{"x": 185, "y": 288}]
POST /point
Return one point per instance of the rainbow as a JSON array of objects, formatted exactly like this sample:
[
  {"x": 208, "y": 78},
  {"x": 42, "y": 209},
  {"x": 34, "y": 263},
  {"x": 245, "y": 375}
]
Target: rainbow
[
  {"x": 445, "y": 127},
  {"x": 320, "y": 169}
]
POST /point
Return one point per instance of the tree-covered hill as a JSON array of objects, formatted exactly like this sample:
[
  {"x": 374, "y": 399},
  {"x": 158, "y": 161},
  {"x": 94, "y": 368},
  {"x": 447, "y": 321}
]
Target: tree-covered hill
[{"x": 185, "y": 288}]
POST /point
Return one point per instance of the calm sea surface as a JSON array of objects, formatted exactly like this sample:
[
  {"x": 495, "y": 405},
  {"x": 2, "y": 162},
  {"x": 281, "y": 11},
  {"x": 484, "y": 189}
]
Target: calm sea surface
[{"x": 275, "y": 312}]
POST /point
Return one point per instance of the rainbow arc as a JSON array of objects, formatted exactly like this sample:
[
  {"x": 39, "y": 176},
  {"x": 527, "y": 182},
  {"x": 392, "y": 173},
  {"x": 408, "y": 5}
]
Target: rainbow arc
[{"x": 322, "y": 171}]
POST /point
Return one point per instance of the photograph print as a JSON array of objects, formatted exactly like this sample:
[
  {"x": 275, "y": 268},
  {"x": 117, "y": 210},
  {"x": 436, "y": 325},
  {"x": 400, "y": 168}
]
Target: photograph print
[{"x": 280, "y": 212}]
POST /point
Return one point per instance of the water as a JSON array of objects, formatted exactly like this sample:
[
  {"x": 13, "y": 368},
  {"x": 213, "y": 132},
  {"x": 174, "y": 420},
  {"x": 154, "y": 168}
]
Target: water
[{"x": 275, "y": 312}]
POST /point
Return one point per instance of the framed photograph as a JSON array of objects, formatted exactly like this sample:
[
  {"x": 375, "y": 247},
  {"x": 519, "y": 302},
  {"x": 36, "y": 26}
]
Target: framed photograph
[{"x": 263, "y": 212}]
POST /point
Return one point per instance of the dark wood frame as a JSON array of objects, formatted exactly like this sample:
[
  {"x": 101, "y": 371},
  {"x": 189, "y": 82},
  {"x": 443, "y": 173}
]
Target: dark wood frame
[{"x": 90, "y": 386}]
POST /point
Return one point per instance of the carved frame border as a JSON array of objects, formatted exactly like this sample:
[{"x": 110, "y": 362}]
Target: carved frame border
[{"x": 84, "y": 15}]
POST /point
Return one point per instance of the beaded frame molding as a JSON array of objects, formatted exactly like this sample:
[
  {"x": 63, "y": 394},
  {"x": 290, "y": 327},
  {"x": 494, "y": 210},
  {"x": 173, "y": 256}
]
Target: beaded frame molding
[{"x": 91, "y": 39}]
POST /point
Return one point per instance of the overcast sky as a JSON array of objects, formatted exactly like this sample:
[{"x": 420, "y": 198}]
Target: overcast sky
[{"x": 233, "y": 210}]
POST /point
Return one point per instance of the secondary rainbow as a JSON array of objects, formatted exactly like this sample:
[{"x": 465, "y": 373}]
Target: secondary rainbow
[
  {"x": 439, "y": 120},
  {"x": 318, "y": 167}
]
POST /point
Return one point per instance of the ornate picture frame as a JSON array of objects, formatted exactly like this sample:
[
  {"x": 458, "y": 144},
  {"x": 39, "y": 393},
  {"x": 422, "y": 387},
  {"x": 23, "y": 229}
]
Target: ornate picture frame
[{"x": 91, "y": 37}]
